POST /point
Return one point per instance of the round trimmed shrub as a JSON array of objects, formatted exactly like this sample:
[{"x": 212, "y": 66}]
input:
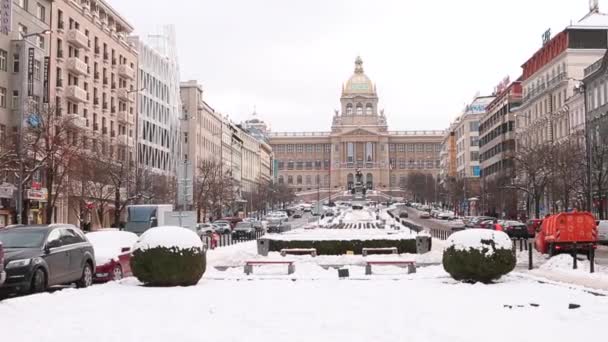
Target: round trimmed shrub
[
  {"x": 478, "y": 255},
  {"x": 168, "y": 256}
]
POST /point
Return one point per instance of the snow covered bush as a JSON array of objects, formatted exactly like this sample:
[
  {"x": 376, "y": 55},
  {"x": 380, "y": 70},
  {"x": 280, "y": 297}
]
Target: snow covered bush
[
  {"x": 168, "y": 256},
  {"x": 482, "y": 255}
]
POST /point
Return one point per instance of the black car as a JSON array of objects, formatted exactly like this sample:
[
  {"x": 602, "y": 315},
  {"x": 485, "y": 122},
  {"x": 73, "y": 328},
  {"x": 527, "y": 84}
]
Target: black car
[
  {"x": 403, "y": 214},
  {"x": 297, "y": 214},
  {"x": 39, "y": 256},
  {"x": 243, "y": 230}
]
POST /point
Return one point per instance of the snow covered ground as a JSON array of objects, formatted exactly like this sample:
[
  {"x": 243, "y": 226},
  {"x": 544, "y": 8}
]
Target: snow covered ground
[
  {"x": 312, "y": 304},
  {"x": 428, "y": 306}
]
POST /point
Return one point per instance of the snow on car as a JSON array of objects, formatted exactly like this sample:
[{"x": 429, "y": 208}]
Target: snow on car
[{"x": 112, "y": 253}]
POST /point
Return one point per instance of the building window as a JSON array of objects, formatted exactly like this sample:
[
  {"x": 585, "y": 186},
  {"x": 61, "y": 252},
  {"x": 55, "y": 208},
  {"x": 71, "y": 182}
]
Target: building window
[
  {"x": 474, "y": 141},
  {"x": 429, "y": 147},
  {"x": 290, "y": 148},
  {"x": 319, "y": 148},
  {"x": 401, "y": 147},
  {"x": 359, "y": 109},
  {"x": 349, "y": 109},
  {"x": 22, "y": 4},
  {"x": 391, "y": 147},
  {"x": 15, "y": 103},
  {"x": 2, "y": 97},
  {"x": 299, "y": 148},
  {"x": 289, "y": 179},
  {"x": 3, "y": 60},
  {"x": 41, "y": 12},
  {"x": 16, "y": 62},
  {"x": 350, "y": 152},
  {"x": 402, "y": 163},
  {"x": 368, "y": 109},
  {"x": 420, "y": 147},
  {"x": 410, "y": 147},
  {"x": 22, "y": 29},
  {"x": 299, "y": 180},
  {"x": 308, "y": 179},
  {"x": 309, "y": 148},
  {"x": 37, "y": 67},
  {"x": 327, "y": 148},
  {"x": 299, "y": 165}
]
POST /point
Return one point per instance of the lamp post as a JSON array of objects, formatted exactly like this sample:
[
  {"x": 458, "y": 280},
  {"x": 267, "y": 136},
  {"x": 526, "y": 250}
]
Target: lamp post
[{"x": 19, "y": 204}]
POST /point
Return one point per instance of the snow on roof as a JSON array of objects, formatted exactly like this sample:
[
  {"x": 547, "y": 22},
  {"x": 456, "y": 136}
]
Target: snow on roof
[
  {"x": 592, "y": 20},
  {"x": 472, "y": 239},
  {"x": 169, "y": 236}
]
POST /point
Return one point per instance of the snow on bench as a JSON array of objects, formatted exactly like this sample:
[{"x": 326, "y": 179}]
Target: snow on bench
[
  {"x": 291, "y": 268},
  {"x": 411, "y": 265},
  {"x": 298, "y": 251},
  {"x": 366, "y": 250}
]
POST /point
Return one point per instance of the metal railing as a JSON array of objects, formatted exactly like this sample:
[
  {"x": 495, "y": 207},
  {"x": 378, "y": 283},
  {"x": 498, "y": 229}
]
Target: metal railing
[{"x": 224, "y": 240}]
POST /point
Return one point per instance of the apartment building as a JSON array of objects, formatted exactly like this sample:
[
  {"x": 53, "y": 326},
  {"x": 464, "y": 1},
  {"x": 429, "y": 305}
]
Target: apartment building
[
  {"x": 201, "y": 126},
  {"x": 158, "y": 102},
  {"x": 466, "y": 131},
  {"x": 550, "y": 110},
  {"x": 24, "y": 47}
]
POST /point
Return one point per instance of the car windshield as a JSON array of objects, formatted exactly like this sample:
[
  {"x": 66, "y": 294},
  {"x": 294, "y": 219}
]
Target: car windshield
[{"x": 22, "y": 238}]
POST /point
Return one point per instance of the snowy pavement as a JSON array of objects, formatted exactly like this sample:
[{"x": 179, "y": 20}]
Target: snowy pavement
[{"x": 428, "y": 307}]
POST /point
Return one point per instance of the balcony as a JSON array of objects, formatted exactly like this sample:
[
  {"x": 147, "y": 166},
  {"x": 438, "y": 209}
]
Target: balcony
[
  {"x": 76, "y": 93},
  {"x": 75, "y": 121},
  {"x": 126, "y": 71},
  {"x": 123, "y": 139},
  {"x": 76, "y": 66},
  {"x": 59, "y": 83},
  {"x": 77, "y": 39},
  {"x": 125, "y": 118},
  {"x": 123, "y": 94}
]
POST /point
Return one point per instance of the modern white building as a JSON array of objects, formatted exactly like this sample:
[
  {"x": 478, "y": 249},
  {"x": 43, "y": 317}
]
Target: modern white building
[
  {"x": 466, "y": 130},
  {"x": 158, "y": 102}
]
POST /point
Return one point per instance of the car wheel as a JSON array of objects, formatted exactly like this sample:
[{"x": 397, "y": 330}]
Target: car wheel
[
  {"x": 86, "y": 279},
  {"x": 117, "y": 273},
  {"x": 38, "y": 281}
]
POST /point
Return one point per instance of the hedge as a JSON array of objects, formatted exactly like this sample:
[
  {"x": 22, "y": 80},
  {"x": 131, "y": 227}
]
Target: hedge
[
  {"x": 163, "y": 266},
  {"x": 475, "y": 265},
  {"x": 340, "y": 247}
]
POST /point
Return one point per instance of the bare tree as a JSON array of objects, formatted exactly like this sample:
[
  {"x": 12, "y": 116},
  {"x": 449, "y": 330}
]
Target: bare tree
[
  {"x": 209, "y": 184},
  {"x": 567, "y": 162},
  {"x": 599, "y": 165},
  {"x": 534, "y": 172},
  {"x": 51, "y": 144}
]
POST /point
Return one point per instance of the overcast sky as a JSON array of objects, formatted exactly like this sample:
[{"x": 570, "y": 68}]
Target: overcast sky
[{"x": 289, "y": 58}]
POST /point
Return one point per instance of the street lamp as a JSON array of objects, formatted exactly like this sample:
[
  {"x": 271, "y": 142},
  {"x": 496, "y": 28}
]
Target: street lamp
[{"x": 19, "y": 204}]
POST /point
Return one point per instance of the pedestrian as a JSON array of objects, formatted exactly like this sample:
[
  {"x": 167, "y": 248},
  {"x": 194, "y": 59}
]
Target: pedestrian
[{"x": 497, "y": 226}]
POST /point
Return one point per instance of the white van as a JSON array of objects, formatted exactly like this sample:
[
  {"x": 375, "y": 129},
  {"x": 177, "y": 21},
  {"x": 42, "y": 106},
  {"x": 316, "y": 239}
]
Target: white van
[{"x": 602, "y": 231}]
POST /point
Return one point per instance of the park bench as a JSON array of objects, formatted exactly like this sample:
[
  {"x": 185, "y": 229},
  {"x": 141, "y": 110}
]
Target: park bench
[
  {"x": 249, "y": 265},
  {"x": 411, "y": 265},
  {"x": 385, "y": 250},
  {"x": 299, "y": 251}
]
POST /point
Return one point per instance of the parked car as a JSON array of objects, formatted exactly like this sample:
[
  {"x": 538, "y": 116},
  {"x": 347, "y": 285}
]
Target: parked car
[
  {"x": 533, "y": 226},
  {"x": 297, "y": 214},
  {"x": 232, "y": 220},
  {"x": 485, "y": 224},
  {"x": 40, "y": 256},
  {"x": 403, "y": 214},
  {"x": 424, "y": 215},
  {"x": 602, "y": 231},
  {"x": 515, "y": 229},
  {"x": 475, "y": 222},
  {"x": 112, "y": 254},
  {"x": 222, "y": 226},
  {"x": 445, "y": 215},
  {"x": 244, "y": 230},
  {"x": 203, "y": 229},
  {"x": 565, "y": 232},
  {"x": 2, "y": 273},
  {"x": 257, "y": 225}
]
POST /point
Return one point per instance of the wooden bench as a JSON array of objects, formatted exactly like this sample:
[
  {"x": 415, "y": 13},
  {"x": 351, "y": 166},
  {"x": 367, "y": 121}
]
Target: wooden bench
[
  {"x": 299, "y": 251},
  {"x": 249, "y": 265},
  {"x": 411, "y": 265},
  {"x": 391, "y": 250}
]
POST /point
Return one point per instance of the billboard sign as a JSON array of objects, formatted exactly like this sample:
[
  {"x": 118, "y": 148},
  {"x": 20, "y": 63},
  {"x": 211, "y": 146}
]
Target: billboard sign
[
  {"x": 30, "y": 72},
  {"x": 6, "y": 16},
  {"x": 476, "y": 171}
]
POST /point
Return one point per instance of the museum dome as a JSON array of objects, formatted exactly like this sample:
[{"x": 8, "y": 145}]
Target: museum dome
[{"x": 359, "y": 83}]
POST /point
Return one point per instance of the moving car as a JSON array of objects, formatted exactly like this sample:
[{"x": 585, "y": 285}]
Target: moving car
[
  {"x": 40, "y": 256},
  {"x": 515, "y": 229},
  {"x": 222, "y": 226},
  {"x": 205, "y": 229},
  {"x": 244, "y": 230},
  {"x": 112, "y": 253},
  {"x": 567, "y": 232},
  {"x": 232, "y": 220},
  {"x": 2, "y": 273},
  {"x": 403, "y": 214},
  {"x": 297, "y": 214},
  {"x": 424, "y": 215},
  {"x": 474, "y": 222}
]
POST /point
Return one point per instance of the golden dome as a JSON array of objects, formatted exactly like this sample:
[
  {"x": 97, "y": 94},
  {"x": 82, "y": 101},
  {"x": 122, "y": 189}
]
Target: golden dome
[{"x": 359, "y": 83}]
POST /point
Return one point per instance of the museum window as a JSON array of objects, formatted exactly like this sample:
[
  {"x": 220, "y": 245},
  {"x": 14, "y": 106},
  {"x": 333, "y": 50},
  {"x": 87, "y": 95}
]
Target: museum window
[
  {"x": 419, "y": 147},
  {"x": 401, "y": 147},
  {"x": 402, "y": 163},
  {"x": 319, "y": 148},
  {"x": 308, "y": 165},
  {"x": 350, "y": 152},
  {"x": 368, "y": 109},
  {"x": 290, "y": 165},
  {"x": 299, "y": 148},
  {"x": 359, "y": 109},
  {"x": 318, "y": 165},
  {"x": 327, "y": 148},
  {"x": 290, "y": 148},
  {"x": 349, "y": 109},
  {"x": 309, "y": 148},
  {"x": 429, "y": 147},
  {"x": 410, "y": 147},
  {"x": 299, "y": 165}
]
